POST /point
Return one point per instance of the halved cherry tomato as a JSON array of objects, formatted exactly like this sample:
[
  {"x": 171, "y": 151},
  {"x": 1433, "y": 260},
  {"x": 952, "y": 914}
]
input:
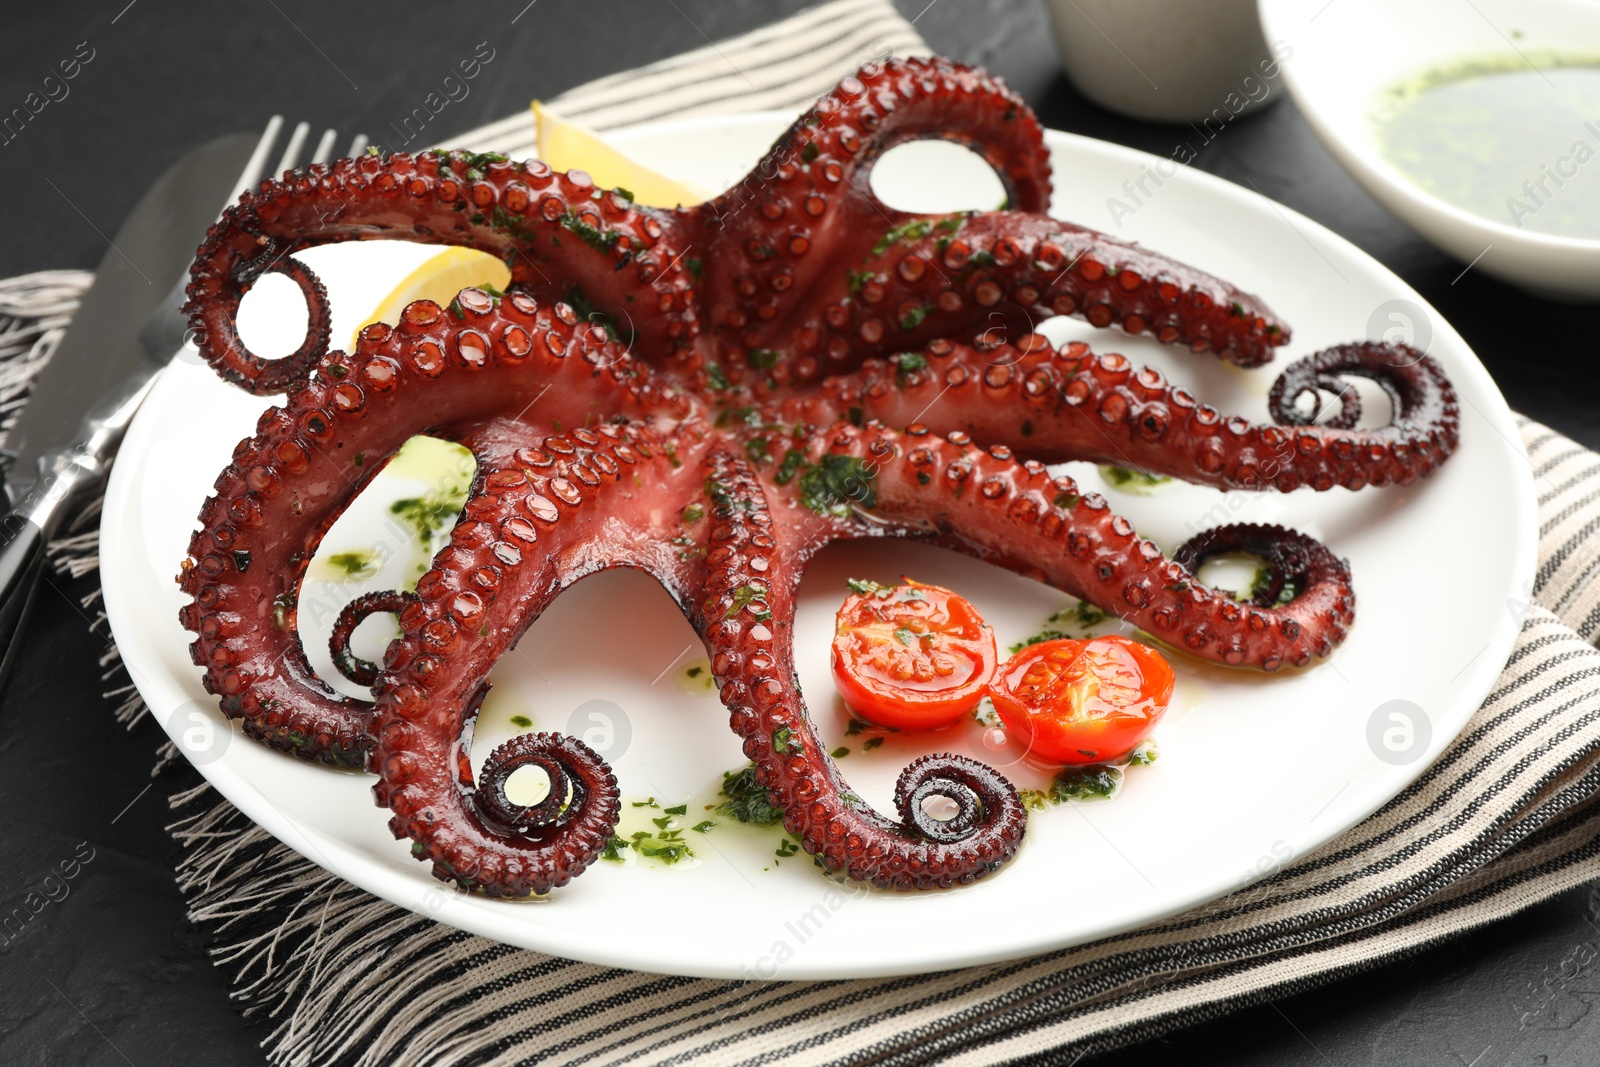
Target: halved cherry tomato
[
  {"x": 1088, "y": 701},
  {"x": 911, "y": 656}
]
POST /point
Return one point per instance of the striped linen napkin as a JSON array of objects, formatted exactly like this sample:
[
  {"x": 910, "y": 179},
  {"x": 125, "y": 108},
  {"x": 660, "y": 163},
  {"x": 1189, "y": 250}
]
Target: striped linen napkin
[{"x": 1505, "y": 818}]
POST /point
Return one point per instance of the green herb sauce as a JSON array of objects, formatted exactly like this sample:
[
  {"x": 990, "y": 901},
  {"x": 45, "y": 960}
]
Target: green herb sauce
[{"x": 1509, "y": 138}]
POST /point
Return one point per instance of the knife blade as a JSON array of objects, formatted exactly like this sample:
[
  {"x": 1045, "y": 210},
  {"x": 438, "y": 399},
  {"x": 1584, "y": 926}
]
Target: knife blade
[
  {"x": 105, "y": 365},
  {"x": 149, "y": 255}
]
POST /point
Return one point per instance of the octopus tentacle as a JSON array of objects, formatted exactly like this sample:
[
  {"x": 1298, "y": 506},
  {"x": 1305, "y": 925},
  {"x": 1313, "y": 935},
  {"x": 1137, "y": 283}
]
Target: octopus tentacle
[
  {"x": 535, "y": 527},
  {"x": 353, "y": 614},
  {"x": 873, "y": 372},
  {"x": 1069, "y": 404},
  {"x": 1000, "y": 273},
  {"x": 557, "y": 233},
  {"x": 287, "y": 485},
  {"x": 747, "y": 622},
  {"x": 1014, "y": 514},
  {"x": 812, "y": 269},
  {"x": 1294, "y": 560}
]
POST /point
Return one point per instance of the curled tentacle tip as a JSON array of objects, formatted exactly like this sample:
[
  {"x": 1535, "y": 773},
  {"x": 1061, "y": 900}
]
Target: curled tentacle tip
[
  {"x": 980, "y": 795},
  {"x": 353, "y": 667},
  {"x": 579, "y": 782},
  {"x": 1295, "y": 561}
]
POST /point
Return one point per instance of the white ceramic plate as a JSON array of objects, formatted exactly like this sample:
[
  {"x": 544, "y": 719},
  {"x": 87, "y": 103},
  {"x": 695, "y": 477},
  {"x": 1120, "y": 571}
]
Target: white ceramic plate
[
  {"x": 1341, "y": 57},
  {"x": 1254, "y": 770}
]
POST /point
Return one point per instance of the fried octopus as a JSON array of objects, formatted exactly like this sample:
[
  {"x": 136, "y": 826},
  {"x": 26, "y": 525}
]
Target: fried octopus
[{"x": 711, "y": 395}]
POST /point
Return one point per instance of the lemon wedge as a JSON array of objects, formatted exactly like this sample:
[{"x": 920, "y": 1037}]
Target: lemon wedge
[
  {"x": 439, "y": 279},
  {"x": 568, "y": 145}
]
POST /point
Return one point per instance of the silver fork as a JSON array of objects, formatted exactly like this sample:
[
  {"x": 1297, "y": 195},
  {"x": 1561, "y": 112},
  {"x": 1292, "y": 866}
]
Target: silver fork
[
  {"x": 165, "y": 332},
  {"x": 62, "y": 474}
]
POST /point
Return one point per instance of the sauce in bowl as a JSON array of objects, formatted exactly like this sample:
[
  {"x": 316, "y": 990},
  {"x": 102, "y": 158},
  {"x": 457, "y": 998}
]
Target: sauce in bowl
[{"x": 1514, "y": 140}]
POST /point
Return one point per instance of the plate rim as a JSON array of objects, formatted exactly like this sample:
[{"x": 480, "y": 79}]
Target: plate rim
[{"x": 478, "y": 916}]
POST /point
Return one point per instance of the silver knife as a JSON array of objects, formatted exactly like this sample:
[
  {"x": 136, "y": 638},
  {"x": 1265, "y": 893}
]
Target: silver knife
[{"x": 83, "y": 400}]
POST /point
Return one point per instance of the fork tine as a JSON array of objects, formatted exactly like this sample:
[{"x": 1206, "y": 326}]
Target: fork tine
[
  {"x": 291, "y": 151},
  {"x": 251, "y": 176},
  {"x": 325, "y": 146},
  {"x": 357, "y": 145}
]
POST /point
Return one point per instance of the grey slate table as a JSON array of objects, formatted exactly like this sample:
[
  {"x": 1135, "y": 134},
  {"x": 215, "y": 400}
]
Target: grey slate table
[{"x": 113, "y": 973}]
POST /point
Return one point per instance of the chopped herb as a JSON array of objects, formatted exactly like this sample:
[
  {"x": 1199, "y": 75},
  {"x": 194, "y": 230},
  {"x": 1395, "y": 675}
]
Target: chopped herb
[
  {"x": 1086, "y": 783},
  {"x": 830, "y": 486},
  {"x": 241, "y": 559},
  {"x": 1067, "y": 500},
  {"x": 693, "y": 513},
  {"x": 913, "y": 318},
  {"x": 702, "y": 827},
  {"x": 1039, "y": 638},
  {"x": 650, "y": 803},
  {"x": 923, "y": 477},
  {"x": 668, "y": 846},
  {"x": 840, "y": 753},
  {"x": 670, "y": 450},
  {"x": 748, "y": 800},
  {"x": 1123, "y": 478},
  {"x": 982, "y": 257},
  {"x": 854, "y": 415},
  {"x": 762, "y": 358},
  {"x": 694, "y": 672},
  {"x": 360, "y": 563},
  {"x": 1146, "y": 754},
  {"x": 599, "y": 240},
  {"x": 626, "y": 194},
  {"x": 432, "y": 514},
  {"x": 950, "y": 225},
  {"x": 1087, "y": 614},
  {"x": 856, "y": 279},
  {"x": 865, "y": 586},
  {"x": 695, "y": 266},
  {"x": 789, "y": 847},
  {"x": 871, "y": 743},
  {"x": 784, "y": 741},
  {"x": 908, "y": 363},
  {"x": 906, "y": 636},
  {"x": 613, "y": 850},
  {"x": 907, "y": 231},
  {"x": 743, "y": 597},
  {"x": 715, "y": 377},
  {"x": 681, "y": 809},
  {"x": 758, "y": 449},
  {"x": 793, "y": 461},
  {"x": 522, "y": 722},
  {"x": 809, "y": 152},
  {"x": 337, "y": 371},
  {"x": 1033, "y": 799}
]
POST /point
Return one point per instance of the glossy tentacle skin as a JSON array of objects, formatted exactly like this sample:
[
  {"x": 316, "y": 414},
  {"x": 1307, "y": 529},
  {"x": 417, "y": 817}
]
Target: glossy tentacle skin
[
  {"x": 568, "y": 506},
  {"x": 310, "y": 457},
  {"x": 800, "y": 260},
  {"x": 988, "y": 504},
  {"x": 1069, "y": 404},
  {"x": 750, "y": 642},
  {"x": 558, "y": 234},
  {"x": 796, "y": 363}
]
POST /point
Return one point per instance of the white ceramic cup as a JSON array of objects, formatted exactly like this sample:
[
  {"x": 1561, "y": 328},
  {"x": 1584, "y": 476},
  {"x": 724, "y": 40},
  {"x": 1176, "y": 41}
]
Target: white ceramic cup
[{"x": 1167, "y": 60}]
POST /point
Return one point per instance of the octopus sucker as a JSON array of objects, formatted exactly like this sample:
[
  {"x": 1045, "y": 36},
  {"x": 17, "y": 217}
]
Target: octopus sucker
[
  {"x": 800, "y": 364},
  {"x": 1070, "y": 404}
]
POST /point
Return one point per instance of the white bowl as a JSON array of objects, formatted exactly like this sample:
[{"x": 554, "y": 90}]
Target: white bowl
[{"x": 1342, "y": 56}]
